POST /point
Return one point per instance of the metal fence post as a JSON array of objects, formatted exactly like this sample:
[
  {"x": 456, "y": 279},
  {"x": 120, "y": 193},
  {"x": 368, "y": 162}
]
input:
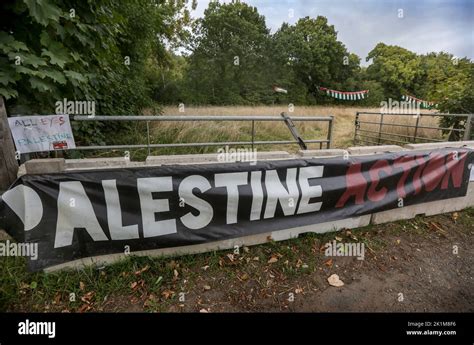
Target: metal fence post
[
  {"x": 357, "y": 126},
  {"x": 468, "y": 127},
  {"x": 253, "y": 133},
  {"x": 416, "y": 127},
  {"x": 330, "y": 129},
  {"x": 380, "y": 129},
  {"x": 148, "y": 136}
]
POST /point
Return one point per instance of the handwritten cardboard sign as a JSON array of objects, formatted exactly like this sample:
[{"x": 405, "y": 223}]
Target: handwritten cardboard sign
[{"x": 41, "y": 133}]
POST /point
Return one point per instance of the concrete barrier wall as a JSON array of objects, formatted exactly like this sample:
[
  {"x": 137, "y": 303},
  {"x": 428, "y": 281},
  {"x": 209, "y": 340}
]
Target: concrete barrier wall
[{"x": 41, "y": 166}]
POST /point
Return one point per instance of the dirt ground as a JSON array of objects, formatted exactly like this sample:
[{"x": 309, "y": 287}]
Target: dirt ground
[{"x": 413, "y": 262}]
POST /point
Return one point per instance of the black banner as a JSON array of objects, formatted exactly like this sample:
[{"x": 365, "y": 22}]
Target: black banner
[{"x": 87, "y": 213}]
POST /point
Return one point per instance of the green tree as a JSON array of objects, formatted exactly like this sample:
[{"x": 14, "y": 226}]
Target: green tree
[
  {"x": 312, "y": 54},
  {"x": 395, "y": 68},
  {"x": 448, "y": 81},
  {"x": 229, "y": 59}
]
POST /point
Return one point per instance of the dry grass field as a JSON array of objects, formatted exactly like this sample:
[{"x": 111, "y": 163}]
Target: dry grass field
[{"x": 343, "y": 134}]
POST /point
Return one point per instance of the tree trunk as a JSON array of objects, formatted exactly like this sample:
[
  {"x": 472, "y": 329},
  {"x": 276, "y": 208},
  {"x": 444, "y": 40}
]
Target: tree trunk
[{"x": 8, "y": 163}]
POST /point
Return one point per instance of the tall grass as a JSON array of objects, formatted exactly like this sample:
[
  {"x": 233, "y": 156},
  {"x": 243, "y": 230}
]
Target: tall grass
[
  {"x": 343, "y": 131},
  {"x": 221, "y": 131},
  {"x": 392, "y": 132}
]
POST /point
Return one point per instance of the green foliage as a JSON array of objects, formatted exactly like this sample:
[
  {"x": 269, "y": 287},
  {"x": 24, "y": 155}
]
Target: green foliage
[
  {"x": 79, "y": 50},
  {"x": 436, "y": 77},
  {"x": 229, "y": 60},
  {"x": 310, "y": 53},
  {"x": 395, "y": 68}
]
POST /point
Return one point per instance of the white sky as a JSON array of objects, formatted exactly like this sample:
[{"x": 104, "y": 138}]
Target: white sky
[{"x": 426, "y": 26}]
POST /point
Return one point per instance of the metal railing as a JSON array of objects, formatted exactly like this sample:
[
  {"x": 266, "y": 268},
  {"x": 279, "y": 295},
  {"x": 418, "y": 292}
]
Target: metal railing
[
  {"x": 253, "y": 119},
  {"x": 383, "y": 134}
]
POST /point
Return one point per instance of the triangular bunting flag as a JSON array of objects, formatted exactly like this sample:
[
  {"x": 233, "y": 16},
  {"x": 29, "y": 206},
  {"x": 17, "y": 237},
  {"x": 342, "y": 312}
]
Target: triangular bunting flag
[{"x": 344, "y": 95}]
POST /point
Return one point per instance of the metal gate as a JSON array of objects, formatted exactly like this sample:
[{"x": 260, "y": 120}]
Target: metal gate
[
  {"x": 253, "y": 119},
  {"x": 381, "y": 128}
]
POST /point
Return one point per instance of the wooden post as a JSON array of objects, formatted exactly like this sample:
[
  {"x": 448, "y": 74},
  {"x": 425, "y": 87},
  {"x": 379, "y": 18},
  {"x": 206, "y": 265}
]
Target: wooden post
[{"x": 8, "y": 163}]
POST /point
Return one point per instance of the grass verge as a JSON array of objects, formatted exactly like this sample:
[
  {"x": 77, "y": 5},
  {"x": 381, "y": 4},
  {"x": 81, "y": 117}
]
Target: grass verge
[{"x": 168, "y": 284}]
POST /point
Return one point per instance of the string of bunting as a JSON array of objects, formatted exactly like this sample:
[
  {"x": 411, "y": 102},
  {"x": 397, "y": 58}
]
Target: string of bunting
[
  {"x": 345, "y": 95},
  {"x": 423, "y": 104}
]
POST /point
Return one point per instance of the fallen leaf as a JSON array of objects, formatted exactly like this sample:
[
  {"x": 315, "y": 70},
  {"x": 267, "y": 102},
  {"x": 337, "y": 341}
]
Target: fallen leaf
[
  {"x": 455, "y": 216},
  {"x": 231, "y": 257},
  {"x": 272, "y": 260},
  {"x": 244, "y": 276},
  {"x": 144, "y": 269},
  {"x": 87, "y": 297},
  {"x": 338, "y": 238},
  {"x": 82, "y": 286},
  {"x": 84, "y": 307},
  {"x": 298, "y": 290},
  {"x": 167, "y": 293},
  {"x": 398, "y": 241},
  {"x": 205, "y": 267},
  {"x": 299, "y": 263},
  {"x": 437, "y": 227},
  {"x": 334, "y": 280},
  {"x": 57, "y": 298},
  {"x": 328, "y": 262},
  {"x": 150, "y": 300},
  {"x": 206, "y": 287},
  {"x": 133, "y": 285},
  {"x": 204, "y": 310}
]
